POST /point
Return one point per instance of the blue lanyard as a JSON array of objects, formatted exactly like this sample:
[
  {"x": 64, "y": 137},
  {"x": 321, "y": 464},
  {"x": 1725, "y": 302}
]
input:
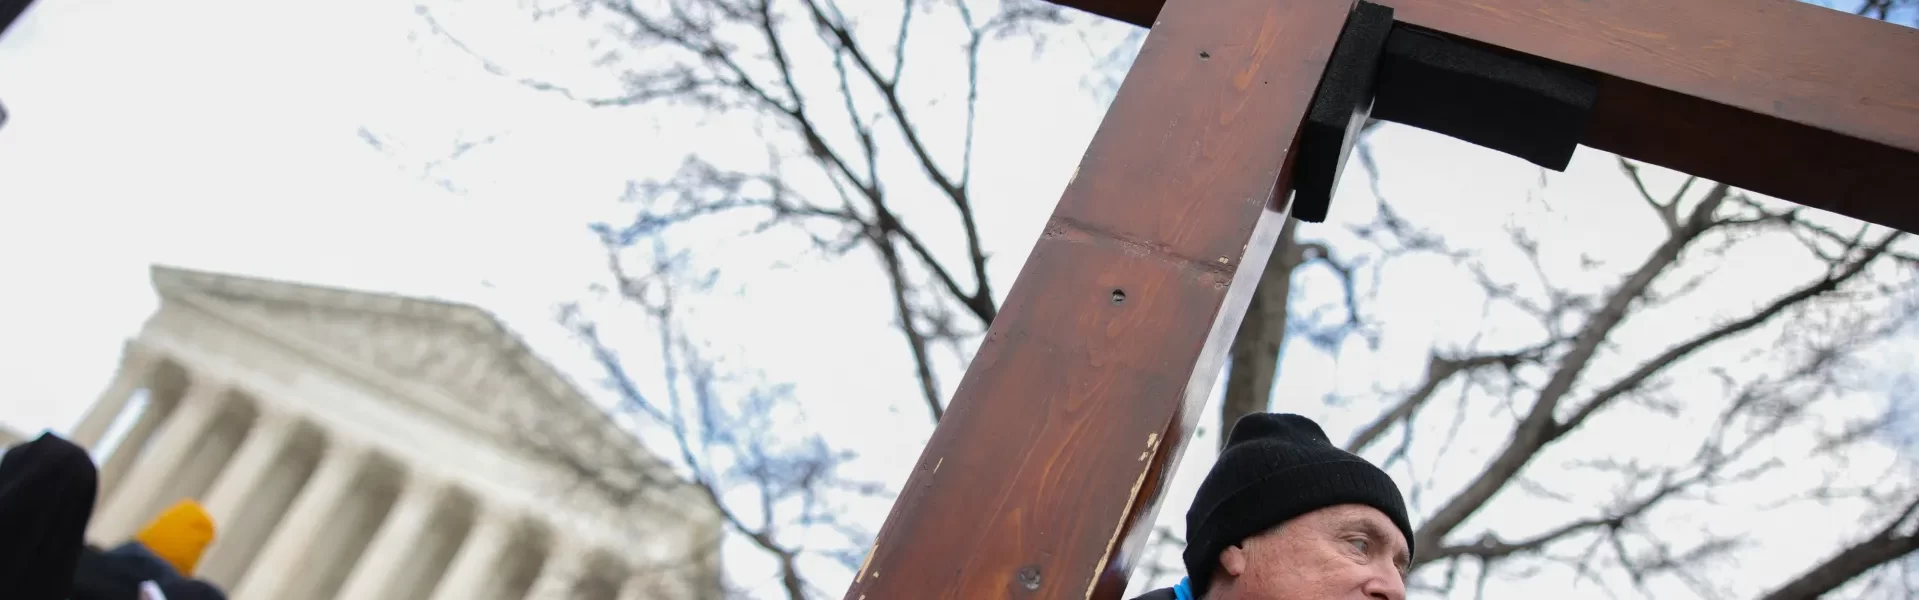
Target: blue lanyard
[{"x": 1184, "y": 591}]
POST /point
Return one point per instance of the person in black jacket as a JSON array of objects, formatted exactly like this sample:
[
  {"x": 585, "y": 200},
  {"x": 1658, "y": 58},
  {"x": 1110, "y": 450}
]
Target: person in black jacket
[
  {"x": 166, "y": 552},
  {"x": 46, "y": 499},
  {"x": 117, "y": 575},
  {"x": 1285, "y": 515}
]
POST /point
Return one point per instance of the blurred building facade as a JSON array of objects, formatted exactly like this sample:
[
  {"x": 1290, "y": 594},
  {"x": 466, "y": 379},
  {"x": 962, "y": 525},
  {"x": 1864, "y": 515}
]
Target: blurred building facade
[{"x": 362, "y": 446}]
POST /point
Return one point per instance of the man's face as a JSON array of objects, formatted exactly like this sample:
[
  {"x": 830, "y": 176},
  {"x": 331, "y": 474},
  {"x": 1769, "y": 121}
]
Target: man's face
[{"x": 1333, "y": 553}]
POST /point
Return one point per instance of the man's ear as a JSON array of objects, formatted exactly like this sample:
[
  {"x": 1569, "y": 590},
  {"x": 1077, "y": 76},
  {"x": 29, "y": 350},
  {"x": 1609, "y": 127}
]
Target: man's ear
[{"x": 1232, "y": 560}]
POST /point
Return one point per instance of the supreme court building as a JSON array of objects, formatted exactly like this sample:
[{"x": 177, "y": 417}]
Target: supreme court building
[{"x": 361, "y": 446}]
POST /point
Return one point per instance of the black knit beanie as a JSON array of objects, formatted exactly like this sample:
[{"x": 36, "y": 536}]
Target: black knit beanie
[{"x": 1276, "y": 467}]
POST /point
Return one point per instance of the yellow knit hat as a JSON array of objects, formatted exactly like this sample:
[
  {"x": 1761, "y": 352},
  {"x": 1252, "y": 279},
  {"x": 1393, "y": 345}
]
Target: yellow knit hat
[{"x": 179, "y": 535}]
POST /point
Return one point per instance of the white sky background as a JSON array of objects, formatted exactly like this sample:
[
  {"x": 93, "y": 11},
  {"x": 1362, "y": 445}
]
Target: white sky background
[{"x": 228, "y": 136}]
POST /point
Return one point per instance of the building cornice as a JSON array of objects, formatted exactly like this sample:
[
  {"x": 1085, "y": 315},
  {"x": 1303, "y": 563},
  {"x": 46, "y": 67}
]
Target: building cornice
[
  {"x": 414, "y": 395},
  {"x": 202, "y": 290}
]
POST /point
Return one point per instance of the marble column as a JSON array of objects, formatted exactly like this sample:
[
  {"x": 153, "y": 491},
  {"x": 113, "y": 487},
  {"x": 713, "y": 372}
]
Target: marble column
[
  {"x": 374, "y": 573},
  {"x": 117, "y": 465},
  {"x": 285, "y": 552},
  {"x": 472, "y": 570},
  {"x": 171, "y": 444},
  {"x": 247, "y": 471},
  {"x": 137, "y": 365},
  {"x": 559, "y": 573}
]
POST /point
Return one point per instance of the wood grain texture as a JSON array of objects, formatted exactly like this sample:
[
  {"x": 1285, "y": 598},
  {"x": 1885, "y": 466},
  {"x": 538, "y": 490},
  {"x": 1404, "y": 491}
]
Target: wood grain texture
[
  {"x": 1043, "y": 478},
  {"x": 1811, "y": 166},
  {"x": 1785, "y": 98},
  {"x": 1781, "y": 58}
]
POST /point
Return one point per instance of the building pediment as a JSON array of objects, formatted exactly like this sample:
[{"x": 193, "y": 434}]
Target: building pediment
[
  {"x": 464, "y": 359},
  {"x": 457, "y": 350}
]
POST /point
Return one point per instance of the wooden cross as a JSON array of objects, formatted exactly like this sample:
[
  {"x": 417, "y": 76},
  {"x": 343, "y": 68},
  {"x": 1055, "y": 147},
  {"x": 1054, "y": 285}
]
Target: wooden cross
[{"x": 1044, "y": 476}]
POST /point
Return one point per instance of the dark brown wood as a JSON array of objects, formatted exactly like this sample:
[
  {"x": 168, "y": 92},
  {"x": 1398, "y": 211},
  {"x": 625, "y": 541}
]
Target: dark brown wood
[
  {"x": 1811, "y": 166},
  {"x": 1137, "y": 12},
  {"x": 1043, "y": 478},
  {"x": 1780, "y": 97}
]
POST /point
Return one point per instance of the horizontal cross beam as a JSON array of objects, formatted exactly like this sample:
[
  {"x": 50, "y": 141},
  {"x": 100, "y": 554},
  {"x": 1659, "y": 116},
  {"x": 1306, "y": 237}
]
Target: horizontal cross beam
[{"x": 1783, "y": 98}]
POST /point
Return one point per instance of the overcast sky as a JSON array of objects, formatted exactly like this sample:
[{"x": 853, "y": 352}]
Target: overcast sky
[{"x": 299, "y": 141}]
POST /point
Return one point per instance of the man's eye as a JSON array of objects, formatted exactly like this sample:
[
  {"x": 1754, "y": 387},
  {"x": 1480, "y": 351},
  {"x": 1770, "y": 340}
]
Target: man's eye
[{"x": 1361, "y": 544}]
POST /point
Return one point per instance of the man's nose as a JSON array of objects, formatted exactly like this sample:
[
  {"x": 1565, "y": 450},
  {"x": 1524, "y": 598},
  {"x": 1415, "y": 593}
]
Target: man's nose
[{"x": 1388, "y": 585}]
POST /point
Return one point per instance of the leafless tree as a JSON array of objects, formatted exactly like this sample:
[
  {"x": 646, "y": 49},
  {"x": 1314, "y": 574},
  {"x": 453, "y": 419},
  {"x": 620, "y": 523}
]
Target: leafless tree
[
  {"x": 1558, "y": 383},
  {"x": 850, "y": 160},
  {"x": 853, "y": 162},
  {"x": 1556, "y": 388},
  {"x": 830, "y": 88},
  {"x": 719, "y": 424},
  {"x": 731, "y": 443}
]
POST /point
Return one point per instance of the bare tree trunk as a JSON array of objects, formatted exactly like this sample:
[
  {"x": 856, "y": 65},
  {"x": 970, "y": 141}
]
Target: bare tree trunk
[{"x": 1255, "y": 350}]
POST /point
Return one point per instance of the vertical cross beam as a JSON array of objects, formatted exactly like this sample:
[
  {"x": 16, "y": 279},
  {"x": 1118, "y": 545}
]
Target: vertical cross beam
[{"x": 1042, "y": 480}]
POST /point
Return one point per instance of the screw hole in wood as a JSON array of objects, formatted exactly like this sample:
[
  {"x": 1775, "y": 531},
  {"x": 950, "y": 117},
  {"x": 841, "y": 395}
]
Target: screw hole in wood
[{"x": 1029, "y": 577}]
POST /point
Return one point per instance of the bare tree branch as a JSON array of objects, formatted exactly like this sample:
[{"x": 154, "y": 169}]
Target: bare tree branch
[
  {"x": 738, "y": 55},
  {"x": 722, "y": 441},
  {"x": 1892, "y": 542},
  {"x": 1438, "y": 372},
  {"x": 1538, "y": 427}
]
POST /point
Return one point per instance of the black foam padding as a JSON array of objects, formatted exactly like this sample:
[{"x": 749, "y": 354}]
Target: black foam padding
[
  {"x": 1521, "y": 105},
  {"x": 1340, "y": 107}
]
